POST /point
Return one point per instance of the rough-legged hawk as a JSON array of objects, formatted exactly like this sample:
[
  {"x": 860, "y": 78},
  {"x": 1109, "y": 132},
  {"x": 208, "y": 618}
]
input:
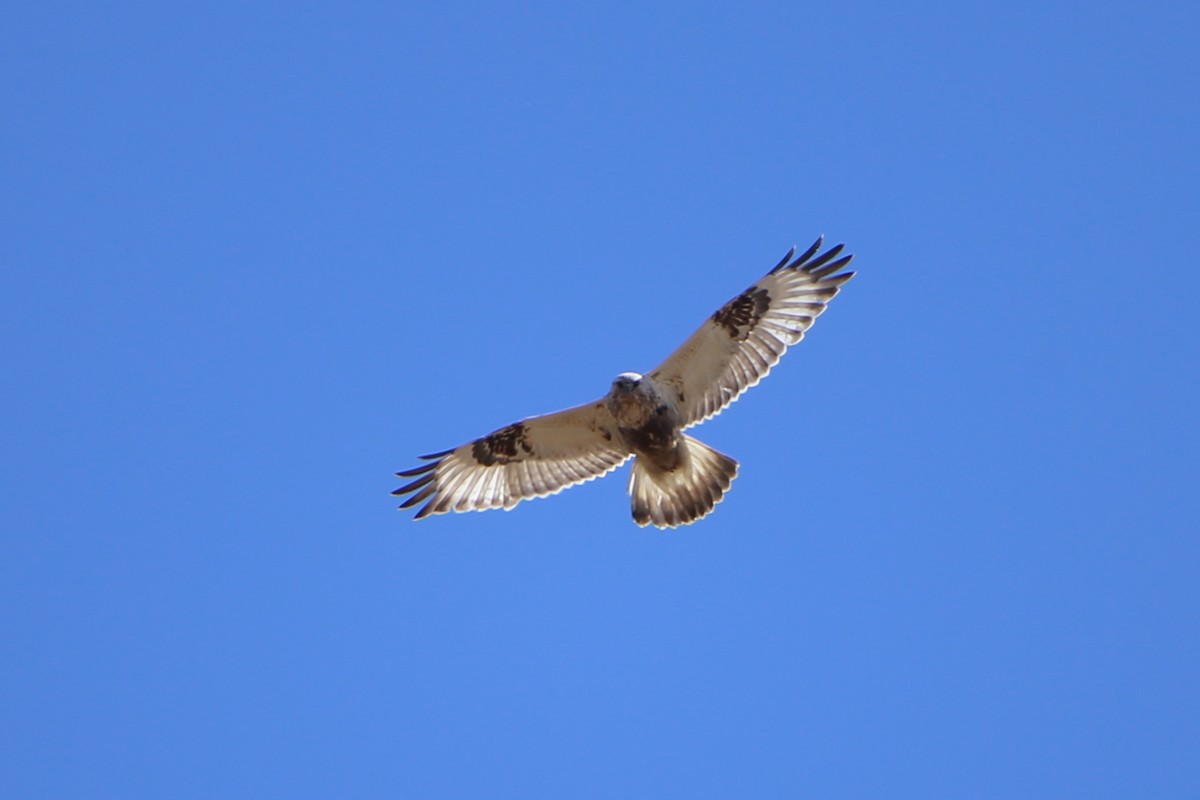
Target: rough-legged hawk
[{"x": 676, "y": 479}]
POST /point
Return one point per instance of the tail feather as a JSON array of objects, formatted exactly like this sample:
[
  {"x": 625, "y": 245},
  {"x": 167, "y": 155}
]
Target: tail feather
[{"x": 683, "y": 495}]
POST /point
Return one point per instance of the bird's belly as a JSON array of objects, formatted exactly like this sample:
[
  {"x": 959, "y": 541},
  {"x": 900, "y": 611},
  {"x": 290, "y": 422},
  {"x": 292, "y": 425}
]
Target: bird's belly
[{"x": 657, "y": 441}]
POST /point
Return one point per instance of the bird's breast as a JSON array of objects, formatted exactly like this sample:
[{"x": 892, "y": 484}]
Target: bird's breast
[{"x": 630, "y": 410}]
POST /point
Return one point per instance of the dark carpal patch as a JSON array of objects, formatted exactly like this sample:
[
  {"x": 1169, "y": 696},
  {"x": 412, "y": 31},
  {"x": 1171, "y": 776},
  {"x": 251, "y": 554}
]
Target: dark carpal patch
[
  {"x": 503, "y": 446},
  {"x": 739, "y": 316}
]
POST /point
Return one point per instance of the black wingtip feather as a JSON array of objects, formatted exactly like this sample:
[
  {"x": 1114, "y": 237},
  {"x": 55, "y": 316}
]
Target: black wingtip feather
[
  {"x": 437, "y": 455},
  {"x": 829, "y": 269},
  {"x": 820, "y": 266},
  {"x": 824, "y": 258},
  {"x": 807, "y": 254},
  {"x": 784, "y": 261},
  {"x": 412, "y": 487},
  {"x": 408, "y": 473},
  {"x": 418, "y": 497}
]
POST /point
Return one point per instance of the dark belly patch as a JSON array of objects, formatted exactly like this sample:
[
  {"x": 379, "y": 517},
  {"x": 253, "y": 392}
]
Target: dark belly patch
[{"x": 657, "y": 440}]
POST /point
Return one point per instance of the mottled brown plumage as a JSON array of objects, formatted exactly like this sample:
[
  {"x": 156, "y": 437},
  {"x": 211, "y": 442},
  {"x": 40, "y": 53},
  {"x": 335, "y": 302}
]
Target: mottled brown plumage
[{"x": 502, "y": 447}]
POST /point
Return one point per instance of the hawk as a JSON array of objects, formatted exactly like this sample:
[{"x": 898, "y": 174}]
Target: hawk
[{"x": 676, "y": 479}]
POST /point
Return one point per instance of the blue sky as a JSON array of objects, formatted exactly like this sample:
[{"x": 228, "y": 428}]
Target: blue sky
[{"x": 259, "y": 258}]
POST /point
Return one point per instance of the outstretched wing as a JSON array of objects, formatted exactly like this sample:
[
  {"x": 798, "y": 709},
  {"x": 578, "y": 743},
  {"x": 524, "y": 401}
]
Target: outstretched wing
[
  {"x": 736, "y": 347},
  {"x": 533, "y": 458}
]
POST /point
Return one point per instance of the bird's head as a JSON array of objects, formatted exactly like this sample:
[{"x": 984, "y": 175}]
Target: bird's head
[{"x": 626, "y": 383}]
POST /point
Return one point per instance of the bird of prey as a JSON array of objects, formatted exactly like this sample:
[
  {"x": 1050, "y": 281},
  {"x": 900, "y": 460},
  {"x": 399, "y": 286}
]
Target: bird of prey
[{"x": 676, "y": 479}]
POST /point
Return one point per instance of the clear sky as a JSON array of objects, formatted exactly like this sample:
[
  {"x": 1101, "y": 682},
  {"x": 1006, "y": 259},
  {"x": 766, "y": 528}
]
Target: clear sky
[{"x": 256, "y": 258}]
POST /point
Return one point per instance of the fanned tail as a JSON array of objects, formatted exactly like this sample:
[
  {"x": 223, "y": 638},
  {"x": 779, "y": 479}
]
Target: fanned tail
[{"x": 681, "y": 496}]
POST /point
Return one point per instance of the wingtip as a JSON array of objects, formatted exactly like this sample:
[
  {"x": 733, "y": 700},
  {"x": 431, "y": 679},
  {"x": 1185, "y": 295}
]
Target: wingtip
[
  {"x": 807, "y": 254},
  {"x": 408, "y": 473},
  {"x": 814, "y": 267},
  {"x": 422, "y": 490},
  {"x": 822, "y": 271},
  {"x": 424, "y": 480},
  {"x": 783, "y": 262}
]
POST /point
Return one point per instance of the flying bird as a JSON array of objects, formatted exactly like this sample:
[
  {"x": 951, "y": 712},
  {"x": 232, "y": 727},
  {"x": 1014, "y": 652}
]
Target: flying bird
[{"x": 676, "y": 479}]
